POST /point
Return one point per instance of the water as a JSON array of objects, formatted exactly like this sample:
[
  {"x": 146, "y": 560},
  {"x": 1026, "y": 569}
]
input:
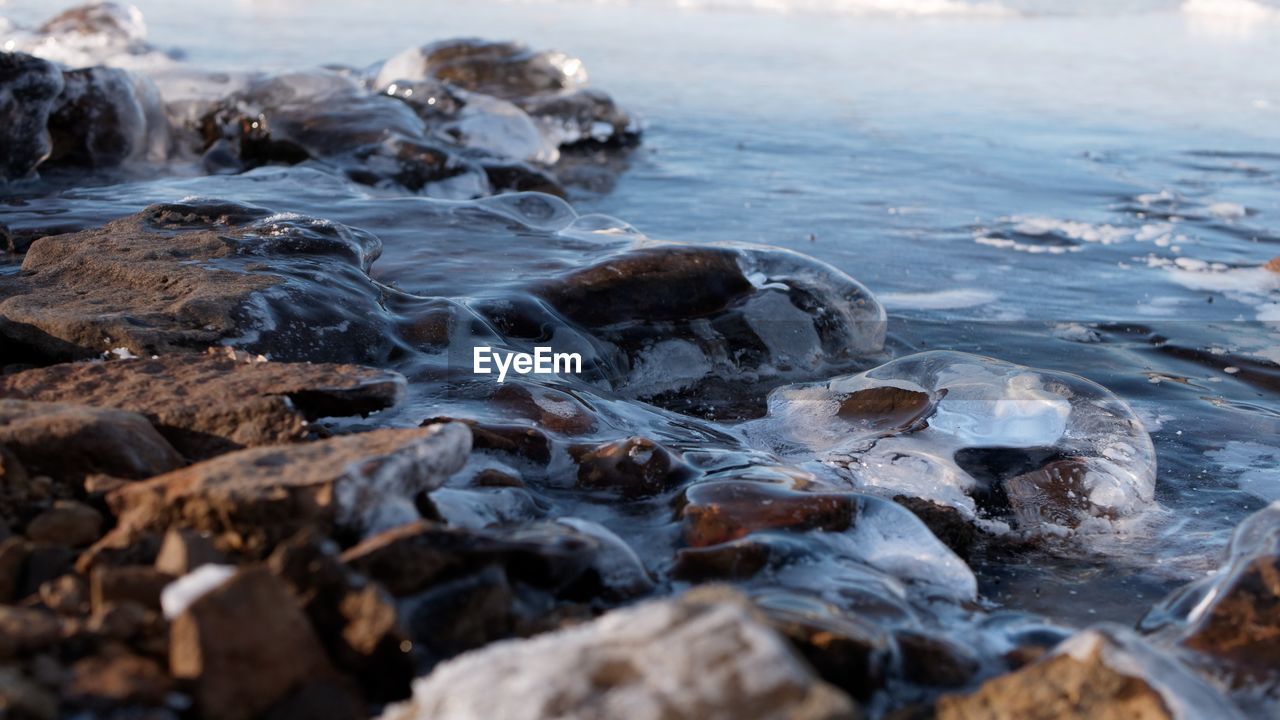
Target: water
[{"x": 1090, "y": 190}]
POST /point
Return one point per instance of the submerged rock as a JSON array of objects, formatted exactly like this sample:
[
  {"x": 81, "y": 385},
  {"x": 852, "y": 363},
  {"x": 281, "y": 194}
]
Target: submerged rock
[
  {"x": 1233, "y": 614},
  {"x": 1105, "y": 673},
  {"x": 183, "y": 276},
  {"x": 691, "y": 326},
  {"x": 28, "y": 88},
  {"x": 257, "y": 497},
  {"x": 706, "y": 655},
  {"x": 218, "y": 401},
  {"x": 1041, "y": 448},
  {"x": 105, "y": 117},
  {"x": 502, "y": 69}
]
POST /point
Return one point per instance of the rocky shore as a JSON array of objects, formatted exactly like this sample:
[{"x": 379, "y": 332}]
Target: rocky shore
[{"x": 241, "y": 478}]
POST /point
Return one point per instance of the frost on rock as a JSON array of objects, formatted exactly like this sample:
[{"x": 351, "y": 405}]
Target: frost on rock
[
  {"x": 691, "y": 325},
  {"x": 1047, "y": 450},
  {"x": 707, "y": 655}
]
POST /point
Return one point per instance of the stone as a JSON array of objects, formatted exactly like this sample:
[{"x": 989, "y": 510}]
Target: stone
[
  {"x": 141, "y": 584},
  {"x": 106, "y": 116},
  {"x": 721, "y": 511},
  {"x": 327, "y": 700},
  {"x": 215, "y": 402},
  {"x": 1104, "y": 673},
  {"x": 109, "y": 681},
  {"x": 69, "y": 441},
  {"x": 68, "y": 523},
  {"x": 705, "y": 655},
  {"x": 66, "y": 595},
  {"x": 22, "y": 697},
  {"x": 502, "y": 69},
  {"x": 244, "y": 646},
  {"x": 1273, "y": 265},
  {"x": 182, "y": 551},
  {"x": 13, "y": 558},
  {"x": 254, "y": 498},
  {"x": 25, "y": 631},
  {"x": 945, "y": 522},
  {"x": 28, "y": 87},
  {"x": 183, "y": 276},
  {"x": 634, "y": 467},
  {"x": 461, "y": 614}
]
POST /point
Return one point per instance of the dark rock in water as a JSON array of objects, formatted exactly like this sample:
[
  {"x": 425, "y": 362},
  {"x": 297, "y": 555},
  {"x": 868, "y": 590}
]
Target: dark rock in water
[
  {"x": 244, "y": 646},
  {"x": 187, "y": 275},
  {"x": 635, "y": 467},
  {"x": 462, "y": 614},
  {"x": 233, "y": 141},
  {"x": 259, "y": 496},
  {"x": 945, "y": 522},
  {"x": 105, "y": 117},
  {"x": 738, "y": 559},
  {"x": 68, "y": 442},
  {"x": 716, "y": 512},
  {"x": 935, "y": 661},
  {"x": 502, "y": 69},
  {"x": 215, "y": 402},
  {"x": 582, "y": 117},
  {"x": 103, "y": 19},
  {"x": 28, "y": 87},
  {"x": 549, "y": 408},
  {"x": 511, "y": 176},
  {"x": 418, "y": 166},
  {"x": 1055, "y": 494},
  {"x": 889, "y": 409},
  {"x": 1233, "y": 615},
  {"x": 684, "y": 321}
]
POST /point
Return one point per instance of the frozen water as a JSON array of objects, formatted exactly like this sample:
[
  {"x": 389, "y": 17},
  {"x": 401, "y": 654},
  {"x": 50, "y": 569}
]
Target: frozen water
[{"x": 178, "y": 595}]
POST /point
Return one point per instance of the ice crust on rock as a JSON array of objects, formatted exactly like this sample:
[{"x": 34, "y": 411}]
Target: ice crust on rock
[{"x": 953, "y": 427}]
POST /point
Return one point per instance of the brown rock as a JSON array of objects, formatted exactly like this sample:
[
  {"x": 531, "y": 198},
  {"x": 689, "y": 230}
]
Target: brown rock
[
  {"x": 182, "y": 551},
  {"x": 216, "y": 402},
  {"x": 22, "y": 697},
  {"x": 945, "y": 522},
  {"x": 887, "y": 409},
  {"x": 13, "y": 558},
  {"x": 71, "y": 441},
  {"x": 257, "y": 497},
  {"x": 1054, "y": 495},
  {"x": 184, "y": 276},
  {"x": 634, "y": 467},
  {"x": 1273, "y": 265},
  {"x": 27, "y": 630},
  {"x": 716, "y": 512},
  {"x": 66, "y": 595},
  {"x": 935, "y": 661},
  {"x": 68, "y": 523},
  {"x": 244, "y": 646},
  {"x": 113, "y": 680},
  {"x": 141, "y": 584}
]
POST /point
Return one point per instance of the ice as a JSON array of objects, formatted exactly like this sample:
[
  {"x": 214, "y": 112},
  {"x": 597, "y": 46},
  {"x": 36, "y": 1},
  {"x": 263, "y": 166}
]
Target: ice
[
  {"x": 954, "y": 299},
  {"x": 178, "y": 595},
  {"x": 500, "y": 128},
  {"x": 100, "y": 33},
  {"x": 958, "y": 429}
]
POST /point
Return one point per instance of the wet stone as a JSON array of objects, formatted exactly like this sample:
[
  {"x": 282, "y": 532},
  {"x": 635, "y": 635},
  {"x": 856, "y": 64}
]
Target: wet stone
[
  {"x": 634, "y": 468},
  {"x": 106, "y": 117},
  {"x": 28, "y": 87},
  {"x": 218, "y": 401},
  {"x": 502, "y": 69},
  {"x": 68, "y": 523},
  {"x": 717, "y": 512}
]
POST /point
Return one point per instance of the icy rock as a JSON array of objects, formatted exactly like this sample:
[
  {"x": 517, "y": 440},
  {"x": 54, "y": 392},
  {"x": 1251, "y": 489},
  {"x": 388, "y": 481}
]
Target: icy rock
[
  {"x": 182, "y": 276},
  {"x": 957, "y": 429},
  {"x": 683, "y": 317},
  {"x": 362, "y": 483},
  {"x": 106, "y": 117},
  {"x": 28, "y": 88},
  {"x": 501, "y": 69},
  {"x": 218, "y": 401},
  {"x": 1234, "y": 613},
  {"x": 93, "y": 33},
  {"x": 586, "y": 116},
  {"x": 1104, "y": 673},
  {"x": 634, "y": 467},
  {"x": 706, "y": 655},
  {"x": 498, "y": 127}
]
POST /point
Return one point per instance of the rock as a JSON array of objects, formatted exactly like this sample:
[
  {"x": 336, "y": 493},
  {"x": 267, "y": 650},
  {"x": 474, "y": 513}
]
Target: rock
[
  {"x": 110, "y": 681},
  {"x": 140, "y": 584},
  {"x": 28, "y": 87},
  {"x": 215, "y": 402},
  {"x": 1234, "y": 613},
  {"x": 945, "y": 522},
  {"x": 22, "y": 697},
  {"x": 105, "y": 117},
  {"x": 502, "y": 69},
  {"x": 66, "y": 595},
  {"x": 257, "y": 497},
  {"x": 69, "y": 442},
  {"x": 68, "y": 523},
  {"x": 706, "y": 655},
  {"x": 1105, "y": 673},
  {"x": 25, "y": 631},
  {"x": 182, "y": 551},
  {"x": 244, "y": 646},
  {"x": 183, "y": 276},
  {"x": 318, "y": 700},
  {"x": 935, "y": 661},
  {"x": 634, "y": 467},
  {"x": 583, "y": 117},
  {"x": 461, "y": 614},
  {"x": 13, "y": 556},
  {"x": 1273, "y": 264},
  {"x": 717, "y": 512},
  {"x": 45, "y": 563}
]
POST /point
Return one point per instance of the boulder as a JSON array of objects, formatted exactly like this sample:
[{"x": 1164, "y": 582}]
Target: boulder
[
  {"x": 244, "y": 646},
  {"x": 254, "y": 498},
  {"x": 215, "y": 402},
  {"x": 68, "y": 523},
  {"x": 68, "y": 442},
  {"x": 106, "y": 116},
  {"x": 183, "y": 276},
  {"x": 707, "y": 655},
  {"x": 28, "y": 87}
]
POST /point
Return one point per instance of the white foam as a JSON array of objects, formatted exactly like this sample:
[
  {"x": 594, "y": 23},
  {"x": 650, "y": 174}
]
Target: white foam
[
  {"x": 1252, "y": 465},
  {"x": 942, "y": 300}
]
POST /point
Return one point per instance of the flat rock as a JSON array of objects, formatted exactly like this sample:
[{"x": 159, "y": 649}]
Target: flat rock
[
  {"x": 68, "y": 523},
  {"x": 68, "y": 442},
  {"x": 184, "y": 276},
  {"x": 244, "y": 646},
  {"x": 256, "y": 497},
  {"x": 213, "y": 403},
  {"x": 707, "y": 655}
]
